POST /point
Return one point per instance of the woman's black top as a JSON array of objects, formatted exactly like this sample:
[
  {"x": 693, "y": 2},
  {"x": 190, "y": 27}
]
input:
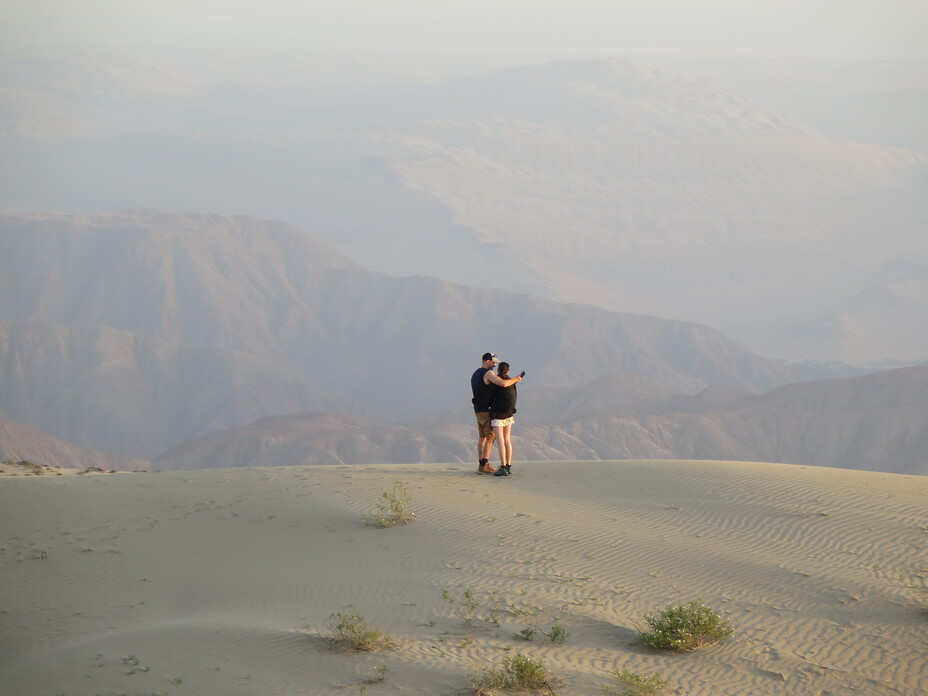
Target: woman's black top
[{"x": 503, "y": 401}]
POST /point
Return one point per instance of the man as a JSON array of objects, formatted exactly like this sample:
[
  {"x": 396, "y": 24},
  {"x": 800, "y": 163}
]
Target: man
[{"x": 480, "y": 383}]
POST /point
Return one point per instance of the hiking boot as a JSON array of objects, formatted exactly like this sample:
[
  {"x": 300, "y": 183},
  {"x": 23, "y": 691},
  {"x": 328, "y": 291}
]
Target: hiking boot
[
  {"x": 486, "y": 469},
  {"x": 502, "y": 471}
]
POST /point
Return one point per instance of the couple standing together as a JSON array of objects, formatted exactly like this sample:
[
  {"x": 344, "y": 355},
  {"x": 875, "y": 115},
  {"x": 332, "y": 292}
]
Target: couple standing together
[{"x": 494, "y": 404}]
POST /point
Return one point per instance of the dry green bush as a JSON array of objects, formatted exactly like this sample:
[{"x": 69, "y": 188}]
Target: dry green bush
[
  {"x": 394, "y": 509},
  {"x": 354, "y": 634},
  {"x": 685, "y": 627},
  {"x": 519, "y": 673}
]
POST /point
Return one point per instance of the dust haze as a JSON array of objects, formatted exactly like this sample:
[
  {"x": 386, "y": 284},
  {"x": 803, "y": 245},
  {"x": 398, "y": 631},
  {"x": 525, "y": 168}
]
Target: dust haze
[{"x": 756, "y": 167}]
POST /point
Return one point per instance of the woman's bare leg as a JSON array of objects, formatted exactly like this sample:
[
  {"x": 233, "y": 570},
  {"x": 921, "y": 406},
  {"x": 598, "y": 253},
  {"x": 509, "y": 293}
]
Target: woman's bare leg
[
  {"x": 502, "y": 442},
  {"x": 507, "y": 435}
]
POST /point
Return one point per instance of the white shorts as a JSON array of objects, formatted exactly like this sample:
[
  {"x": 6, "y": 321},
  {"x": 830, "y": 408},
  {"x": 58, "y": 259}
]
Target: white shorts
[{"x": 496, "y": 422}]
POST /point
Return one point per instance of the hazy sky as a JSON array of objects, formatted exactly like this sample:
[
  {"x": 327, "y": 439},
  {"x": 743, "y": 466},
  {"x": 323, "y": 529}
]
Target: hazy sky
[{"x": 815, "y": 28}]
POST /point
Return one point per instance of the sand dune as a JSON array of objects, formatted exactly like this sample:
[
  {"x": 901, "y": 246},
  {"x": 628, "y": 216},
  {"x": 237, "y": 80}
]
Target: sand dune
[{"x": 220, "y": 581}]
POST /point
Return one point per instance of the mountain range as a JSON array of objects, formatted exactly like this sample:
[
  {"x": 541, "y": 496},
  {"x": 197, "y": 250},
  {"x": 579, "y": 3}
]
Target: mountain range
[
  {"x": 203, "y": 341},
  {"x": 613, "y": 183},
  {"x": 875, "y": 422},
  {"x": 204, "y": 322}
]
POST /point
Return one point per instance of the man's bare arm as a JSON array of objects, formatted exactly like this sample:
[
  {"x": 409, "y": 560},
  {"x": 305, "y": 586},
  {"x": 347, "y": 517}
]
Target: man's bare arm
[{"x": 499, "y": 381}]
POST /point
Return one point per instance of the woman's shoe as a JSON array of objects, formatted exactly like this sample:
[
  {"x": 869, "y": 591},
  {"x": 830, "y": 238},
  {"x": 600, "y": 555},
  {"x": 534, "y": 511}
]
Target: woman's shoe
[{"x": 502, "y": 471}]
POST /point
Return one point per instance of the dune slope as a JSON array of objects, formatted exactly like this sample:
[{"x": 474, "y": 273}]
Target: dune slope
[{"x": 221, "y": 581}]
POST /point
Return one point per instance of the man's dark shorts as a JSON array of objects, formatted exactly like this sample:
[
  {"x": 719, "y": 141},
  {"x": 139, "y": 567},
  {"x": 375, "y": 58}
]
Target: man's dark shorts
[{"x": 484, "y": 427}]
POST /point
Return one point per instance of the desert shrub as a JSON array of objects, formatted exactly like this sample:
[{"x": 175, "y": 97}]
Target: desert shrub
[
  {"x": 526, "y": 634},
  {"x": 637, "y": 684},
  {"x": 685, "y": 627},
  {"x": 354, "y": 634},
  {"x": 558, "y": 634},
  {"x": 394, "y": 508},
  {"x": 519, "y": 673}
]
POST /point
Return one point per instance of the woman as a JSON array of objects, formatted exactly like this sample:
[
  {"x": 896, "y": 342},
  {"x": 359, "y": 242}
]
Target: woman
[{"x": 502, "y": 409}]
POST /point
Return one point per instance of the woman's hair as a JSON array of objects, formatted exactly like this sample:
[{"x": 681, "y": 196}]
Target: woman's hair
[{"x": 503, "y": 369}]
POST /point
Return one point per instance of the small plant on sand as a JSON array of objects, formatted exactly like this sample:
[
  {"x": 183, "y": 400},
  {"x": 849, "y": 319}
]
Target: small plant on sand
[
  {"x": 519, "y": 673},
  {"x": 526, "y": 634},
  {"x": 379, "y": 675},
  {"x": 354, "y": 634},
  {"x": 558, "y": 634},
  {"x": 637, "y": 684},
  {"x": 394, "y": 509},
  {"x": 466, "y": 610},
  {"x": 685, "y": 627}
]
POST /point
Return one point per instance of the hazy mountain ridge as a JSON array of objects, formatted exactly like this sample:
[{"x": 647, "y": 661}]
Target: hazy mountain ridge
[
  {"x": 631, "y": 187},
  {"x": 20, "y": 442},
  {"x": 134, "y": 332},
  {"x": 875, "y": 422},
  {"x": 314, "y": 438},
  {"x": 609, "y": 182},
  {"x": 877, "y": 101},
  {"x": 131, "y": 394},
  {"x": 882, "y": 315}
]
